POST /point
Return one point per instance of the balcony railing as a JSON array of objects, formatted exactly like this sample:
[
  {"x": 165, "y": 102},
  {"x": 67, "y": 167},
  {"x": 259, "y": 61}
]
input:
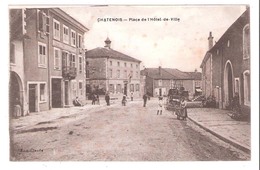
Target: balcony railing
[{"x": 69, "y": 73}]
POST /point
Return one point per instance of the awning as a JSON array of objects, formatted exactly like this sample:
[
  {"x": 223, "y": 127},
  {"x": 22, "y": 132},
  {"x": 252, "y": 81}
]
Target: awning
[{"x": 198, "y": 90}]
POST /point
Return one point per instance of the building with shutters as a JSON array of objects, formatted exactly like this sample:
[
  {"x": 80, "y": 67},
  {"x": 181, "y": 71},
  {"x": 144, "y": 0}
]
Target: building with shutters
[
  {"x": 113, "y": 71},
  {"x": 158, "y": 81},
  {"x": 226, "y": 65},
  {"x": 46, "y": 58}
]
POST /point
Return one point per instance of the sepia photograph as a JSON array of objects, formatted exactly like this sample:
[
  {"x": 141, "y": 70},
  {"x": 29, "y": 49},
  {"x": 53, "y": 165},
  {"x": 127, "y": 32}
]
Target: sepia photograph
[{"x": 145, "y": 83}]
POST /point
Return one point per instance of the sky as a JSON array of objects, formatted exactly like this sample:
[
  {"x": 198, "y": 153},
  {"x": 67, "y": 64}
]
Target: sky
[{"x": 173, "y": 44}]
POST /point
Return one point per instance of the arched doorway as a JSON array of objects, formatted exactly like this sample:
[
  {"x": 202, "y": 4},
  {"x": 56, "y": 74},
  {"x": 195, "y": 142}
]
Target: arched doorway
[
  {"x": 15, "y": 92},
  {"x": 228, "y": 83}
]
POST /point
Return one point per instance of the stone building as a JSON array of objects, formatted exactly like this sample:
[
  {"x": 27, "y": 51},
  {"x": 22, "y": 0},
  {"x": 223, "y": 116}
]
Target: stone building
[
  {"x": 226, "y": 65},
  {"x": 46, "y": 58},
  {"x": 158, "y": 81},
  {"x": 113, "y": 71}
]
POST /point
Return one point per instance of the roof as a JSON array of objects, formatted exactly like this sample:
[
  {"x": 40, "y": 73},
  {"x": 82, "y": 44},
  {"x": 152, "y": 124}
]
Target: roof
[
  {"x": 195, "y": 75},
  {"x": 232, "y": 30},
  {"x": 154, "y": 73},
  {"x": 177, "y": 73},
  {"x": 101, "y": 52},
  {"x": 237, "y": 23},
  {"x": 170, "y": 73},
  {"x": 69, "y": 18}
]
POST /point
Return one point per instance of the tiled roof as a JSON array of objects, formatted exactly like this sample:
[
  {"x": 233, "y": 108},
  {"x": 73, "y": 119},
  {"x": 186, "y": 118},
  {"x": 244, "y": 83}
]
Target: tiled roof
[
  {"x": 110, "y": 53},
  {"x": 154, "y": 73},
  {"x": 195, "y": 75},
  {"x": 177, "y": 73},
  {"x": 170, "y": 73}
]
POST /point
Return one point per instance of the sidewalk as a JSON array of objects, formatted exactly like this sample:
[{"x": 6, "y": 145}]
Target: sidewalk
[
  {"x": 49, "y": 115},
  {"x": 218, "y": 123}
]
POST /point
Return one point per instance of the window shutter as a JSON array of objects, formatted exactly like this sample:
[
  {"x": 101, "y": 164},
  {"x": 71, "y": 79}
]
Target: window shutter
[{"x": 40, "y": 21}]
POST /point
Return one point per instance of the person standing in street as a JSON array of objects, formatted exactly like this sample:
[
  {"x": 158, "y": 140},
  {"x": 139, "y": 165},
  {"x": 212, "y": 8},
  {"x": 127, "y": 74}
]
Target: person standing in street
[
  {"x": 124, "y": 100},
  {"x": 97, "y": 98},
  {"x": 93, "y": 99},
  {"x": 184, "y": 108},
  {"x": 132, "y": 96},
  {"x": 160, "y": 106},
  {"x": 145, "y": 99},
  {"x": 107, "y": 98}
]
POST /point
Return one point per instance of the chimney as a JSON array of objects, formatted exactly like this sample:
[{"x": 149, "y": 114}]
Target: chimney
[
  {"x": 210, "y": 40},
  {"x": 108, "y": 43},
  {"x": 160, "y": 70}
]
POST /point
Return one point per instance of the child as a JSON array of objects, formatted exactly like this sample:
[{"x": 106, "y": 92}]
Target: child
[{"x": 160, "y": 105}]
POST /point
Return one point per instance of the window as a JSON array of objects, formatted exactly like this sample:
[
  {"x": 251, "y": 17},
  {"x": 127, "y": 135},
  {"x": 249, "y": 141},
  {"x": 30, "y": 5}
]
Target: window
[
  {"x": 43, "y": 22},
  {"x": 111, "y": 88},
  {"x": 65, "y": 57},
  {"x": 65, "y": 34},
  {"x": 42, "y": 92},
  {"x": 118, "y": 88},
  {"x": 228, "y": 43},
  {"x": 111, "y": 63},
  {"x": 137, "y": 66},
  {"x": 131, "y": 87},
  {"x": 42, "y": 55},
  {"x": 12, "y": 53},
  {"x": 73, "y": 38},
  {"x": 197, "y": 83},
  {"x": 80, "y": 64},
  {"x": 72, "y": 60},
  {"x": 137, "y": 74},
  {"x": 110, "y": 73},
  {"x": 118, "y": 64},
  {"x": 87, "y": 69},
  {"x": 246, "y": 42},
  {"x": 79, "y": 41},
  {"x": 125, "y": 74},
  {"x": 246, "y": 75},
  {"x": 131, "y": 65},
  {"x": 137, "y": 87},
  {"x": 172, "y": 83},
  {"x": 80, "y": 88},
  {"x": 118, "y": 73},
  {"x": 217, "y": 51},
  {"x": 159, "y": 82},
  {"x": 57, "y": 59},
  {"x": 125, "y": 65},
  {"x": 56, "y": 29}
]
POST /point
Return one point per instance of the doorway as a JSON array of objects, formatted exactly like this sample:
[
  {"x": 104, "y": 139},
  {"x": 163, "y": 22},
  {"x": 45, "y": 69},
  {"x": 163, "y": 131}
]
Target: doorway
[
  {"x": 125, "y": 89},
  {"x": 32, "y": 97},
  {"x": 228, "y": 83},
  {"x": 66, "y": 90},
  {"x": 160, "y": 92},
  {"x": 56, "y": 93}
]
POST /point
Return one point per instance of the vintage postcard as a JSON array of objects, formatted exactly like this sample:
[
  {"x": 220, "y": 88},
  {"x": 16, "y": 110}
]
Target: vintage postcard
[{"x": 130, "y": 83}]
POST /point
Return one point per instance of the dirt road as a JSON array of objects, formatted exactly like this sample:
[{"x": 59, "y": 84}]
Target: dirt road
[{"x": 119, "y": 133}]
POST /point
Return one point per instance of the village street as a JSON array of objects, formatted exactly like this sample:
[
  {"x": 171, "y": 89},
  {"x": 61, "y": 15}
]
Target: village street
[{"x": 118, "y": 133}]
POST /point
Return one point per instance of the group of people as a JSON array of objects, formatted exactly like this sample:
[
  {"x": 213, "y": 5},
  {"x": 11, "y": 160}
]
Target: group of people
[{"x": 95, "y": 98}]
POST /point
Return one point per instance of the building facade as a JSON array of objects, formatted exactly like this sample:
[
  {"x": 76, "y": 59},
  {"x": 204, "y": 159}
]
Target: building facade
[
  {"x": 47, "y": 56},
  {"x": 226, "y": 66},
  {"x": 110, "y": 70},
  {"x": 158, "y": 81}
]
